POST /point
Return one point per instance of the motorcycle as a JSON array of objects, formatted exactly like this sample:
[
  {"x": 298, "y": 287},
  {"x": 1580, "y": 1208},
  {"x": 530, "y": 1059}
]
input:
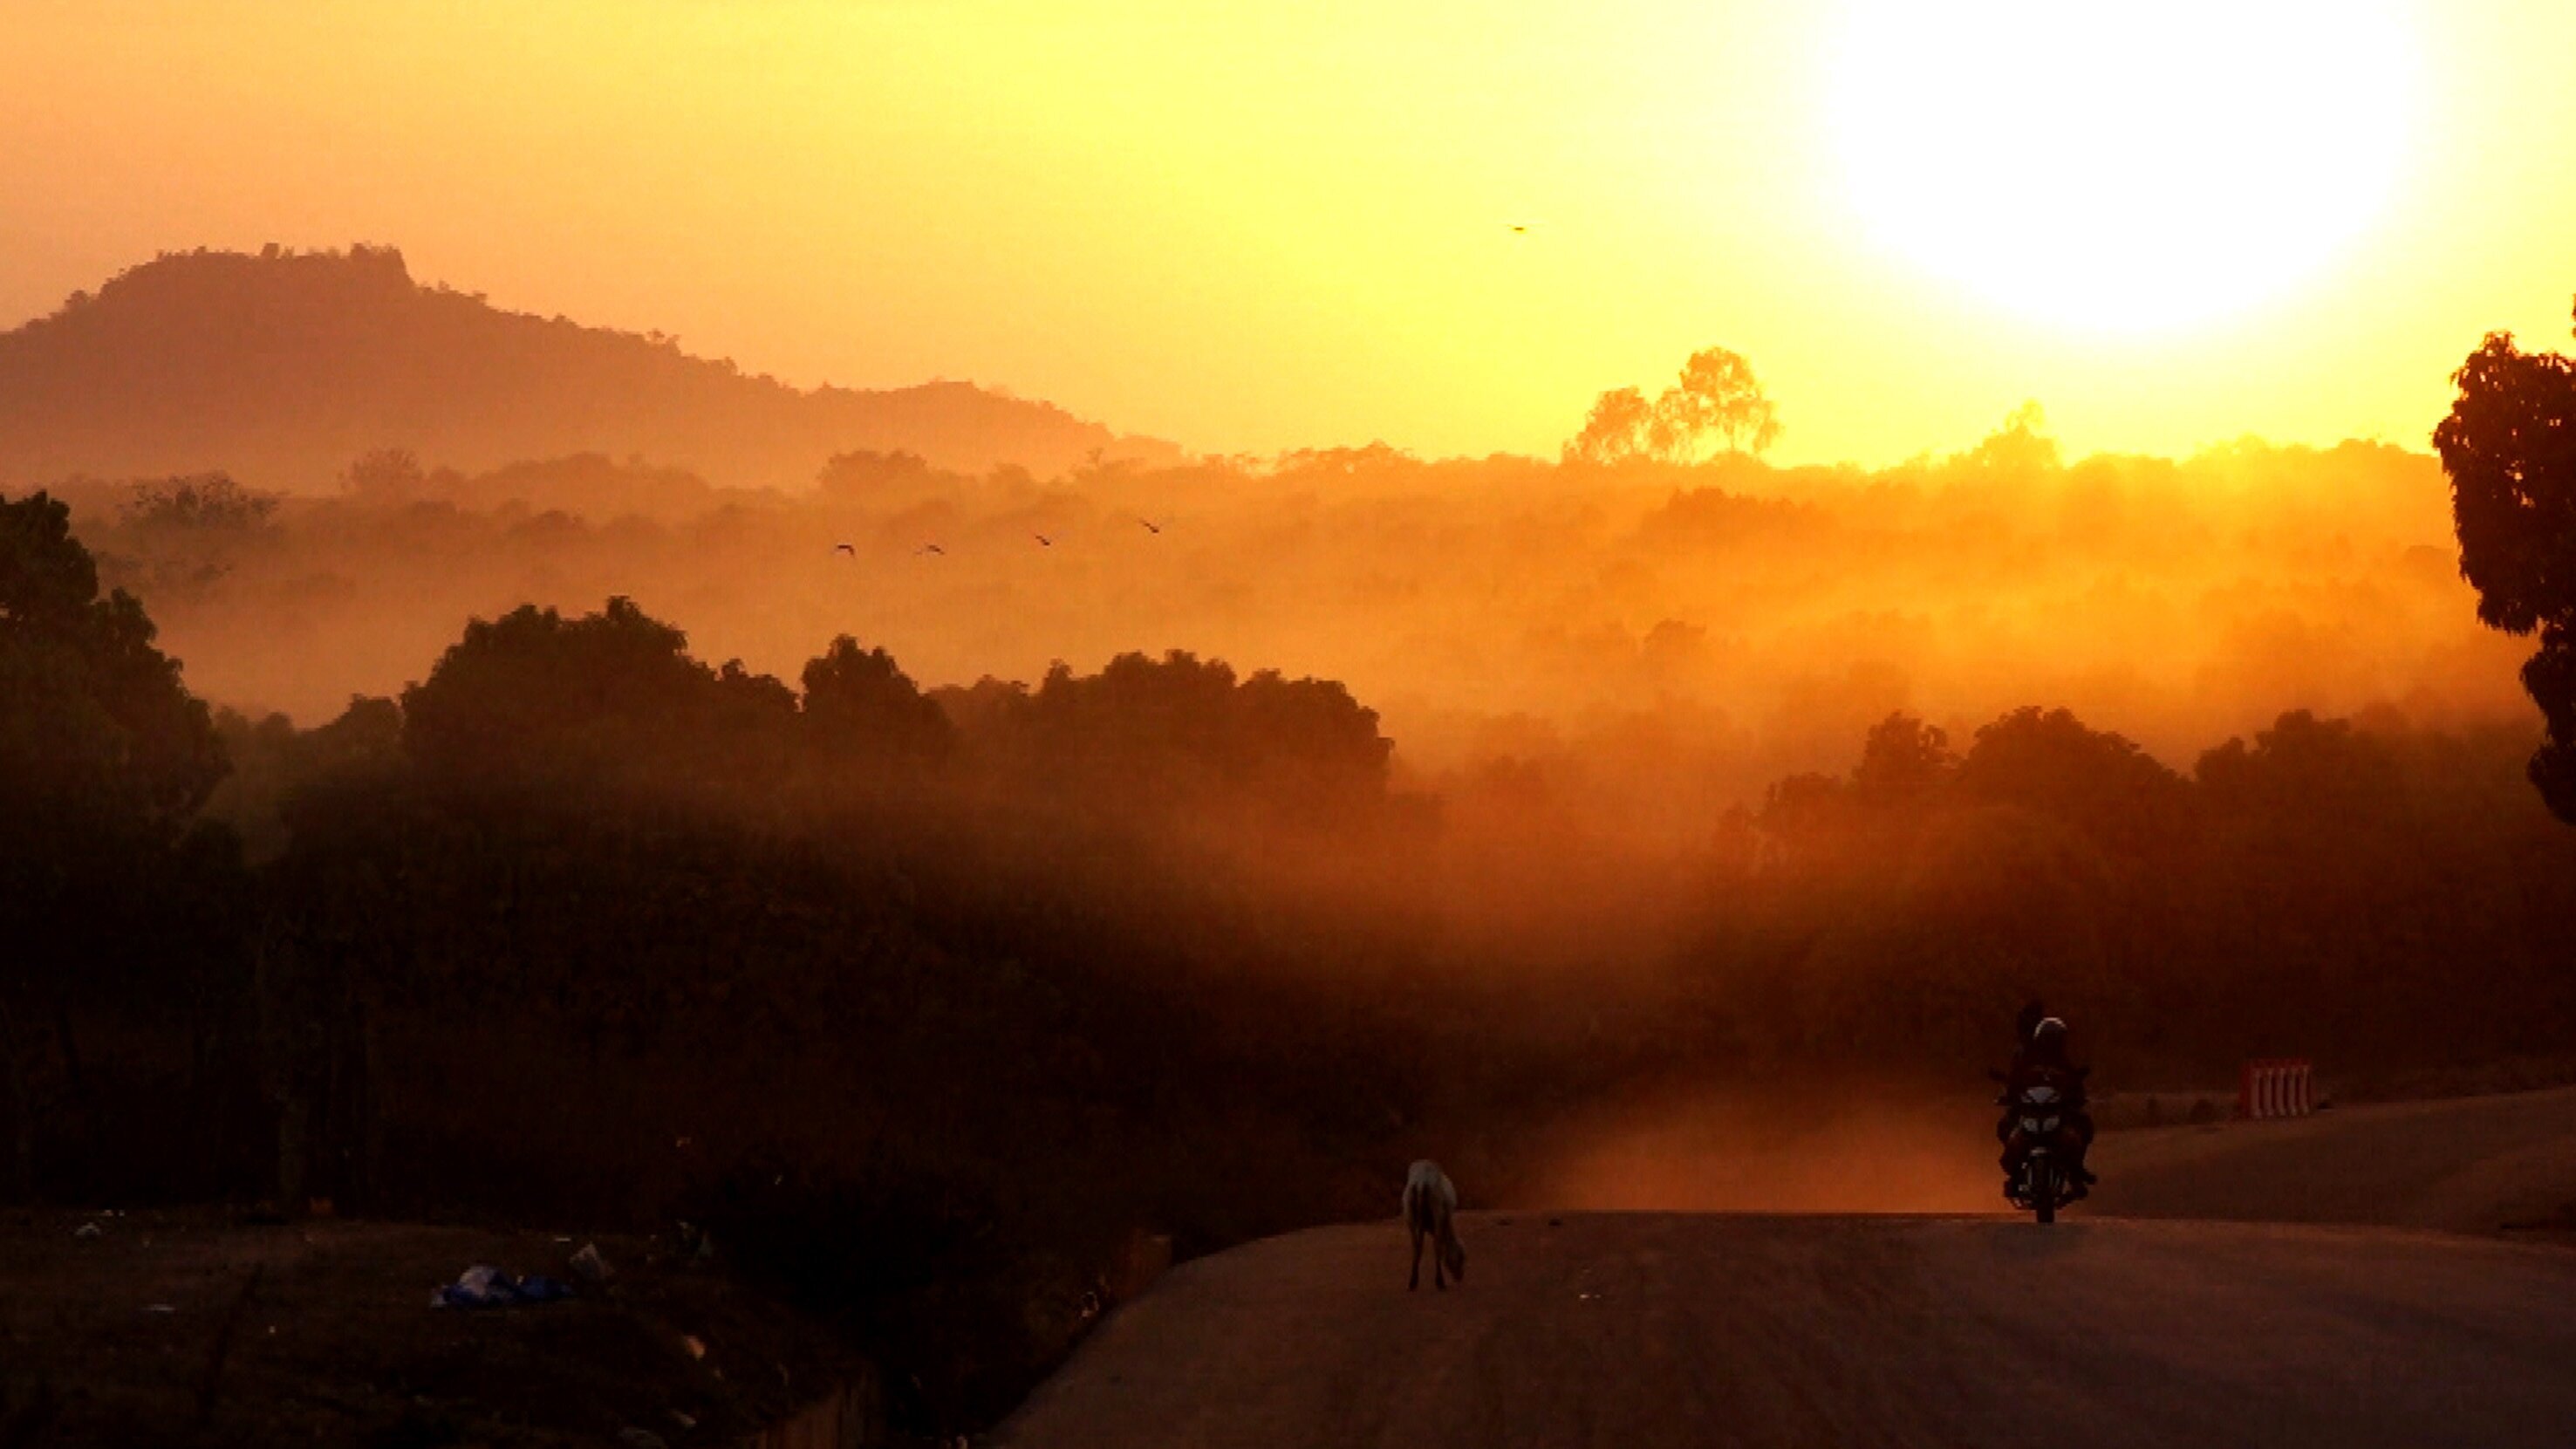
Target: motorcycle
[{"x": 2038, "y": 1132}]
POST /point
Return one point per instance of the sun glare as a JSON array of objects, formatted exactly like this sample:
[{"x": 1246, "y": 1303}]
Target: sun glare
[{"x": 2122, "y": 166}]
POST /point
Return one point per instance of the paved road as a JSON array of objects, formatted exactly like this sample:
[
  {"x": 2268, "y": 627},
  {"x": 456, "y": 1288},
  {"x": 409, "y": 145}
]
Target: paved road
[{"x": 1631, "y": 1331}]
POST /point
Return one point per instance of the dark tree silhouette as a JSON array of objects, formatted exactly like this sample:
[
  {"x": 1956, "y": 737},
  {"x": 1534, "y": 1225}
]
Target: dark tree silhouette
[
  {"x": 535, "y": 698},
  {"x": 2321, "y": 774},
  {"x": 1181, "y": 729},
  {"x": 392, "y": 474},
  {"x": 2509, "y": 447},
  {"x": 97, "y": 722},
  {"x": 176, "y": 538},
  {"x": 859, "y": 702},
  {"x": 104, "y": 759},
  {"x": 1902, "y": 760},
  {"x": 2051, "y": 763}
]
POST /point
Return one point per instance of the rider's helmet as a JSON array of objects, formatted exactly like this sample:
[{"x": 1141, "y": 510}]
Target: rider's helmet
[{"x": 2048, "y": 1041}]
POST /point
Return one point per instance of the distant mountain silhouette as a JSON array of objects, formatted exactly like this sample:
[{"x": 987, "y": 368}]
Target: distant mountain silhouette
[{"x": 282, "y": 367}]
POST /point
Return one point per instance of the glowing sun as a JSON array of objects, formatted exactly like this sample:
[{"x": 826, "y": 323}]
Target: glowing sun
[{"x": 2122, "y": 165}]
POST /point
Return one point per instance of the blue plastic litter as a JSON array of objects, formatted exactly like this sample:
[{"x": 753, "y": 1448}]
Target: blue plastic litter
[{"x": 484, "y": 1286}]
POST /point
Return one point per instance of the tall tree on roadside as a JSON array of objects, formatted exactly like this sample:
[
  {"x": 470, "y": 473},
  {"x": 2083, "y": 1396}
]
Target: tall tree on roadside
[
  {"x": 104, "y": 760},
  {"x": 2509, "y": 447}
]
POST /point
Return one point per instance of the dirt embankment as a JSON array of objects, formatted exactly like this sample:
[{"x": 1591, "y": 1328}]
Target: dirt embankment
[
  {"x": 154, "y": 1330},
  {"x": 2504, "y": 1163}
]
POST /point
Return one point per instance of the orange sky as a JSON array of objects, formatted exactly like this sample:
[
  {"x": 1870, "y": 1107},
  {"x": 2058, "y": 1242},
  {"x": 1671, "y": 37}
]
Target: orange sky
[{"x": 1248, "y": 228}]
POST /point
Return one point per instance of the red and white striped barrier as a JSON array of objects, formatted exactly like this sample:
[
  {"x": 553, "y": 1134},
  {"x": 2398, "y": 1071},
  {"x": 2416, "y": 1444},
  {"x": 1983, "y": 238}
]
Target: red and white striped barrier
[{"x": 2277, "y": 1087}]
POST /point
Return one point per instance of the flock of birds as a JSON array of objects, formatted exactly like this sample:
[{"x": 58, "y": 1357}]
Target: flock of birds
[
  {"x": 930, "y": 550},
  {"x": 934, "y": 550}
]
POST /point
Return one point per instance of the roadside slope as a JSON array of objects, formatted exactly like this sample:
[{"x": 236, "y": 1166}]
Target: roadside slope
[
  {"x": 2466, "y": 1164},
  {"x": 186, "y": 1327}
]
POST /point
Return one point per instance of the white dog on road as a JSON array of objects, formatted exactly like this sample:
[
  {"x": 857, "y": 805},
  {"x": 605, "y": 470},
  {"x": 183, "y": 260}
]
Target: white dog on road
[{"x": 1431, "y": 1210}]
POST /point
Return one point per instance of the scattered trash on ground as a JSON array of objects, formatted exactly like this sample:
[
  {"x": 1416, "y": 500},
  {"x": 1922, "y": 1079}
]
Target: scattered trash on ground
[
  {"x": 641, "y": 1439},
  {"x": 87, "y": 1230},
  {"x": 696, "y": 1245},
  {"x": 160, "y": 1308},
  {"x": 685, "y": 1421},
  {"x": 483, "y": 1286},
  {"x": 697, "y": 1347},
  {"x": 590, "y": 1266}
]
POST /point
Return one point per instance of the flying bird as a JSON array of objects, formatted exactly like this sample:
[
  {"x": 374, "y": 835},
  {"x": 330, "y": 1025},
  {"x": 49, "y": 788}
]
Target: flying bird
[
  {"x": 1519, "y": 229},
  {"x": 1043, "y": 540},
  {"x": 1150, "y": 525},
  {"x": 850, "y": 549},
  {"x": 929, "y": 548}
]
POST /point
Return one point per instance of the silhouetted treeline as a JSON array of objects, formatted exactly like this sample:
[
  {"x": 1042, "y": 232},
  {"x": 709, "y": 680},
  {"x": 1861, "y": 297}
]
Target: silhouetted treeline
[
  {"x": 2372, "y": 894},
  {"x": 1678, "y": 635},
  {"x": 582, "y": 928}
]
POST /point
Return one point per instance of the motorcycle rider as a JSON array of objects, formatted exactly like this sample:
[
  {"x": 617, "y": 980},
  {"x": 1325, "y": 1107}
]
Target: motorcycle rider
[{"x": 2041, "y": 1057}]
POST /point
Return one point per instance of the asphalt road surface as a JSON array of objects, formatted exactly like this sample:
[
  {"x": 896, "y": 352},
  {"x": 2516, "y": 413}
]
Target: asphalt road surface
[{"x": 1630, "y": 1331}]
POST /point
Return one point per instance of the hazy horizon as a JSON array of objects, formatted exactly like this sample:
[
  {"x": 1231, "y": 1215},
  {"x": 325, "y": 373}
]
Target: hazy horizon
[
  {"x": 876, "y": 195},
  {"x": 1661, "y": 638},
  {"x": 1922, "y": 452}
]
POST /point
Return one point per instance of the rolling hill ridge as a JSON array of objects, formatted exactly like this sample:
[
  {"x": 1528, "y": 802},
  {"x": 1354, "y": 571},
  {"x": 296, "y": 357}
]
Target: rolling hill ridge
[{"x": 281, "y": 367}]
